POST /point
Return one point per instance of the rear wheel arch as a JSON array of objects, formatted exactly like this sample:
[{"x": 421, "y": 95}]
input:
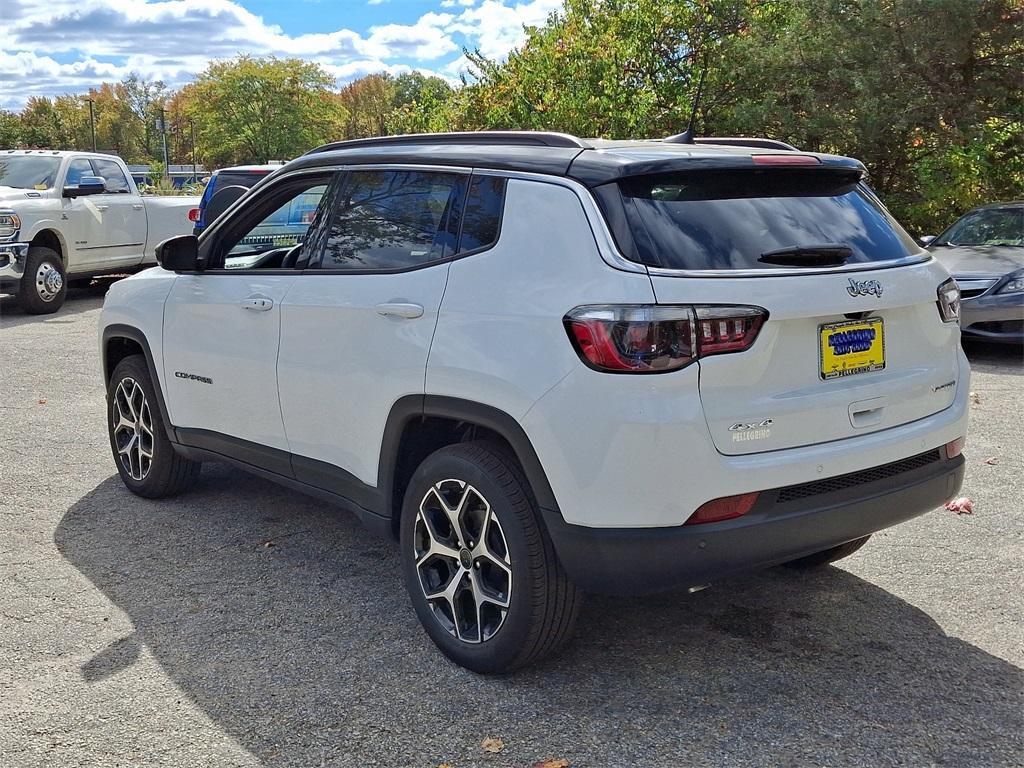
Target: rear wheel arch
[
  {"x": 121, "y": 341},
  {"x": 418, "y": 425}
]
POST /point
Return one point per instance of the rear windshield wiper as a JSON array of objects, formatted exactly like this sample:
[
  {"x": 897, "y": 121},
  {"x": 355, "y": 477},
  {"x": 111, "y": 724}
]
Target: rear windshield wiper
[{"x": 808, "y": 256}]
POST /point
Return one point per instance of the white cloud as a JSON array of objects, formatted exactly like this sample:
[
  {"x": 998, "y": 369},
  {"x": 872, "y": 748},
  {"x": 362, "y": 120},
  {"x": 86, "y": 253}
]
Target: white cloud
[{"x": 67, "y": 46}]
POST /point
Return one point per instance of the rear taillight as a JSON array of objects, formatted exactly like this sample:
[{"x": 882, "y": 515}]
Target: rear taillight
[
  {"x": 195, "y": 214},
  {"x": 949, "y": 301},
  {"x": 642, "y": 338},
  {"x": 723, "y": 509}
]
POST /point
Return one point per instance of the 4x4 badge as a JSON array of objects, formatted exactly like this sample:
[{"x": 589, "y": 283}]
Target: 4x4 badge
[{"x": 864, "y": 287}]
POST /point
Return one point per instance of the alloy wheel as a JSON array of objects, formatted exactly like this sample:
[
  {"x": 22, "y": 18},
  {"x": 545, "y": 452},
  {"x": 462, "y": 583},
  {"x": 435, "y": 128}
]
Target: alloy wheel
[
  {"x": 462, "y": 561},
  {"x": 49, "y": 281},
  {"x": 133, "y": 428}
]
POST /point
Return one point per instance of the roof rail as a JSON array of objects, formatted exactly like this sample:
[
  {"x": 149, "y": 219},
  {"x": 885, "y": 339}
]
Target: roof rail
[
  {"x": 739, "y": 141},
  {"x": 525, "y": 138}
]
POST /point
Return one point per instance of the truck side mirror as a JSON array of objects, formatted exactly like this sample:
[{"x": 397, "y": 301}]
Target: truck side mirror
[
  {"x": 179, "y": 253},
  {"x": 87, "y": 185}
]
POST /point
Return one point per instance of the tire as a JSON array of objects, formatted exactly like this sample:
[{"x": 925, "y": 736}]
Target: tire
[
  {"x": 512, "y": 563},
  {"x": 43, "y": 285},
  {"x": 133, "y": 414},
  {"x": 827, "y": 556}
]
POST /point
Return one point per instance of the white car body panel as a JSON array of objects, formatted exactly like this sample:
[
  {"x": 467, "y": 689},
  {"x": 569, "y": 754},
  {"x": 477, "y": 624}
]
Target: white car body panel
[
  {"x": 500, "y": 339},
  {"x": 138, "y": 302},
  {"x": 208, "y": 333},
  {"x": 778, "y": 378},
  {"x": 344, "y": 364},
  {"x": 652, "y": 433}
]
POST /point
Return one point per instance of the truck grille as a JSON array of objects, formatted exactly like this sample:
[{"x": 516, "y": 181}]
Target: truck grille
[{"x": 852, "y": 480}]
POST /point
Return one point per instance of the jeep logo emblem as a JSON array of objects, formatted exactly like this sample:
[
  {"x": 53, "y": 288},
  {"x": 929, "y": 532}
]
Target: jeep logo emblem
[{"x": 864, "y": 287}]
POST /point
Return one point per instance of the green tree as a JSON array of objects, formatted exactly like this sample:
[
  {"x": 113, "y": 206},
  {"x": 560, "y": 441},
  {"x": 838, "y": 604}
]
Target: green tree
[
  {"x": 254, "y": 110},
  {"x": 368, "y": 102},
  {"x": 10, "y": 130},
  {"x": 418, "y": 104}
]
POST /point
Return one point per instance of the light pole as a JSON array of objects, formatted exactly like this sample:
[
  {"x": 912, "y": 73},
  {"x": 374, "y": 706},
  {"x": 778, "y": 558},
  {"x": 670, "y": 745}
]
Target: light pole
[
  {"x": 192, "y": 128},
  {"x": 92, "y": 125},
  {"x": 163, "y": 133}
]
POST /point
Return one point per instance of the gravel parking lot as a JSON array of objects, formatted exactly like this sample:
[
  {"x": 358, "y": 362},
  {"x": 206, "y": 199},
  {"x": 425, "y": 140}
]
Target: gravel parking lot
[{"x": 245, "y": 625}]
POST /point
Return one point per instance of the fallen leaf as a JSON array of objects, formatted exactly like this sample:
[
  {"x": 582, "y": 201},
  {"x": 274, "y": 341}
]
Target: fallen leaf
[
  {"x": 559, "y": 763},
  {"x": 42, "y": 401},
  {"x": 446, "y": 765},
  {"x": 993, "y": 460},
  {"x": 268, "y": 544},
  {"x": 975, "y": 398},
  {"x": 962, "y": 506},
  {"x": 492, "y": 745}
]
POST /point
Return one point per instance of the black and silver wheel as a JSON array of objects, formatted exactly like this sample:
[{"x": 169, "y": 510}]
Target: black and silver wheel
[
  {"x": 481, "y": 572},
  {"x": 43, "y": 285},
  {"x": 830, "y": 555},
  {"x": 146, "y": 460}
]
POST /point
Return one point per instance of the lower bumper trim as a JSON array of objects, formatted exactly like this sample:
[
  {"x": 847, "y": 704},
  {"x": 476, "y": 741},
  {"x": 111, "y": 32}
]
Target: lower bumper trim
[{"x": 644, "y": 560}]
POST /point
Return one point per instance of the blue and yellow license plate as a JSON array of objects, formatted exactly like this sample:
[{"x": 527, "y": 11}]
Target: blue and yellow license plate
[{"x": 846, "y": 349}]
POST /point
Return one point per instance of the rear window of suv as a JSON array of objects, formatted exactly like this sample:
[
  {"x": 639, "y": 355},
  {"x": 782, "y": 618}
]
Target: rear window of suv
[{"x": 727, "y": 219}]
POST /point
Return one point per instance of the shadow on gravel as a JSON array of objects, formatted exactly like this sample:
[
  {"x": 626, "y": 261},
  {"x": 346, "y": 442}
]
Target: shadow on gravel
[
  {"x": 287, "y": 624},
  {"x": 995, "y": 358}
]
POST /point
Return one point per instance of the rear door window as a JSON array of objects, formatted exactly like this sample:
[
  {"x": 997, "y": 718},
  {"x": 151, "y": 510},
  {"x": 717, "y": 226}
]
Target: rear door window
[
  {"x": 392, "y": 220},
  {"x": 726, "y": 220}
]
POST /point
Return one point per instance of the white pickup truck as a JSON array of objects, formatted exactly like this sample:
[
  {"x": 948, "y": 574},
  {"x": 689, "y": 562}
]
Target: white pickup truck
[{"x": 69, "y": 216}]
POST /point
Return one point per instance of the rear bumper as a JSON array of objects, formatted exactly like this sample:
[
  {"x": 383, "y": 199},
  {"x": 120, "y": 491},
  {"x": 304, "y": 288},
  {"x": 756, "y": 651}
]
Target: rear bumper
[{"x": 787, "y": 523}]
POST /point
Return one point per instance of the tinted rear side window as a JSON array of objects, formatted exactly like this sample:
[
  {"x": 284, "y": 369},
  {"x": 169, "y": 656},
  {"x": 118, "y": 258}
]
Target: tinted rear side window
[
  {"x": 246, "y": 179},
  {"x": 481, "y": 221},
  {"x": 728, "y": 219},
  {"x": 388, "y": 220}
]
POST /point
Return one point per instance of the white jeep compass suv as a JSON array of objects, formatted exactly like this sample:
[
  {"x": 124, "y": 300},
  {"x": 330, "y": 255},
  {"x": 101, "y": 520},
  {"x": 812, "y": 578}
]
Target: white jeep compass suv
[{"x": 547, "y": 365}]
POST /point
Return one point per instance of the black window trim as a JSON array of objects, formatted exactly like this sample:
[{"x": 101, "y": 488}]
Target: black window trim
[
  {"x": 340, "y": 177},
  {"x": 468, "y": 172},
  {"x": 209, "y": 244}
]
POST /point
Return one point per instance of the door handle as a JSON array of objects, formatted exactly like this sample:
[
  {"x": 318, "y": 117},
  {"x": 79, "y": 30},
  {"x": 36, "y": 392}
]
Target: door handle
[
  {"x": 137, "y": 206},
  {"x": 398, "y": 309},
  {"x": 257, "y": 303}
]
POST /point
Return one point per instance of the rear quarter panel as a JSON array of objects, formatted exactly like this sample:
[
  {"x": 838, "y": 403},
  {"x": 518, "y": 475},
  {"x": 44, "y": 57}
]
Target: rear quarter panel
[
  {"x": 499, "y": 338},
  {"x": 166, "y": 217}
]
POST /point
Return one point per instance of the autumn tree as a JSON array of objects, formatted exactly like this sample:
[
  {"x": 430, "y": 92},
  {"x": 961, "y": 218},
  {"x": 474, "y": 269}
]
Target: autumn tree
[{"x": 254, "y": 110}]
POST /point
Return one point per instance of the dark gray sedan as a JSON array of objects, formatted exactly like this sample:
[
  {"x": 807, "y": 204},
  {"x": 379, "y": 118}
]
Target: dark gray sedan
[{"x": 984, "y": 251}]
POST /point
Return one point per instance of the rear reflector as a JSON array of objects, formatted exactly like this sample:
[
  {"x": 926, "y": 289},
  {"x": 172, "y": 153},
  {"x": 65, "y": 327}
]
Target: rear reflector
[
  {"x": 723, "y": 509},
  {"x": 785, "y": 160},
  {"x": 955, "y": 447},
  {"x": 194, "y": 214}
]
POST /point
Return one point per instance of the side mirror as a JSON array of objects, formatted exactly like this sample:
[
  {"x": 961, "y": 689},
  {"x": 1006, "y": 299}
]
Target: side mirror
[
  {"x": 87, "y": 185},
  {"x": 179, "y": 253},
  {"x": 925, "y": 240}
]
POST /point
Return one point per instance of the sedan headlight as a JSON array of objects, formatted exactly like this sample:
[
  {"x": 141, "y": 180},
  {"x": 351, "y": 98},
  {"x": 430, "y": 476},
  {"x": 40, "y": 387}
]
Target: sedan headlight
[
  {"x": 949, "y": 301},
  {"x": 1015, "y": 285},
  {"x": 9, "y": 225}
]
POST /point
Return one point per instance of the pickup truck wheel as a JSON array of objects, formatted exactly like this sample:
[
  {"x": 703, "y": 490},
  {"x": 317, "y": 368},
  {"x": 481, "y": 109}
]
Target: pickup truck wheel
[
  {"x": 43, "y": 286},
  {"x": 146, "y": 461},
  {"x": 481, "y": 572},
  {"x": 827, "y": 556}
]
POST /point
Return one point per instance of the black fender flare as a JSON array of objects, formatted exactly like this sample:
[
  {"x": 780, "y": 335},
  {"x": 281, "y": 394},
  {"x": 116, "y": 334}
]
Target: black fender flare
[
  {"x": 412, "y": 407},
  {"x": 121, "y": 331}
]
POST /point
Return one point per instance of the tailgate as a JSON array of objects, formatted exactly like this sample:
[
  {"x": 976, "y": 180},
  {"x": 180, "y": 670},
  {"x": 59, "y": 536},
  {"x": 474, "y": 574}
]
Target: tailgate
[{"x": 776, "y": 395}]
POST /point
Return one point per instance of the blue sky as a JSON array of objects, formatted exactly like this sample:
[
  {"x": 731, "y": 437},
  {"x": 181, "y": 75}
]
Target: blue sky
[{"x": 67, "y": 46}]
